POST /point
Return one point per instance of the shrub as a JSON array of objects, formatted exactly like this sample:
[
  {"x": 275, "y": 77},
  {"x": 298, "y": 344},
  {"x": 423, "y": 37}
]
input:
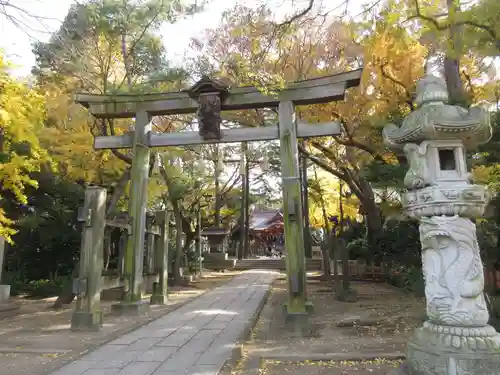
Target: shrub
[
  {"x": 45, "y": 288},
  {"x": 408, "y": 278},
  {"x": 358, "y": 249}
]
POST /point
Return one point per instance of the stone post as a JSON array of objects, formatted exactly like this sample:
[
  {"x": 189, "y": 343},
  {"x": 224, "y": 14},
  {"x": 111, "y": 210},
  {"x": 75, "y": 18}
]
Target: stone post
[
  {"x": 4, "y": 289},
  {"x": 456, "y": 338},
  {"x": 2, "y": 254},
  {"x": 198, "y": 242},
  {"x": 292, "y": 209},
  {"x": 160, "y": 295},
  {"x": 87, "y": 314},
  {"x": 150, "y": 247},
  {"x": 122, "y": 247}
]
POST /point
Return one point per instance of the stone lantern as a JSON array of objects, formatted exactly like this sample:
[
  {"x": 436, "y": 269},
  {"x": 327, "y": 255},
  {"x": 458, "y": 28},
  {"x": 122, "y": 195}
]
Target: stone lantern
[{"x": 456, "y": 338}]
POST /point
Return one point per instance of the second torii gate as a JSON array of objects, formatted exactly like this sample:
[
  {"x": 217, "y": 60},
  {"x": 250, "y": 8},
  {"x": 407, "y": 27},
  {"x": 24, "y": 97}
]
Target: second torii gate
[{"x": 208, "y": 98}]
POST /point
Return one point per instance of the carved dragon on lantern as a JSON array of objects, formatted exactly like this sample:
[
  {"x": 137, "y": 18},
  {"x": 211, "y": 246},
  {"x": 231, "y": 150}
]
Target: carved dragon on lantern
[{"x": 453, "y": 271}]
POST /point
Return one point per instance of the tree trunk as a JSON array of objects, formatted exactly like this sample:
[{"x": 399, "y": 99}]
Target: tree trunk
[
  {"x": 118, "y": 190},
  {"x": 452, "y": 58},
  {"x": 126, "y": 61},
  {"x": 373, "y": 220},
  {"x": 107, "y": 247},
  {"x": 246, "y": 227},
  {"x": 305, "y": 205},
  {"x": 364, "y": 192},
  {"x": 335, "y": 250},
  {"x": 218, "y": 203},
  {"x": 453, "y": 81},
  {"x": 343, "y": 249},
  {"x": 328, "y": 243},
  {"x": 244, "y": 202},
  {"x": 345, "y": 266},
  {"x": 373, "y": 216},
  {"x": 190, "y": 237},
  {"x": 325, "y": 254},
  {"x": 67, "y": 296},
  {"x": 2, "y": 139},
  {"x": 178, "y": 242}
]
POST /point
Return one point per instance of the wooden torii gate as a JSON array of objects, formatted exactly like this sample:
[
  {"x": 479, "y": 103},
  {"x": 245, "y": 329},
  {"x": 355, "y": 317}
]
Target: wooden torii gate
[{"x": 208, "y": 98}]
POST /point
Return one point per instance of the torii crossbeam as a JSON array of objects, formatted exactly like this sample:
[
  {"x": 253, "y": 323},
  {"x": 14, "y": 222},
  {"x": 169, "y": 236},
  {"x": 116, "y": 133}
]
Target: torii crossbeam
[{"x": 208, "y": 98}]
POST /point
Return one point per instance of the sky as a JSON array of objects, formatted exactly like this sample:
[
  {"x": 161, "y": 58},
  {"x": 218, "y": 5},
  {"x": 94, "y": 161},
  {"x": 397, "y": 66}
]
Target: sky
[{"x": 17, "y": 43}]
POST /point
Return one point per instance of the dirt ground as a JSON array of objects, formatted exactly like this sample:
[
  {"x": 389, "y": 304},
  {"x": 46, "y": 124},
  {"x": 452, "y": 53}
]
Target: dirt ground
[
  {"x": 39, "y": 340},
  {"x": 337, "y": 337},
  {"x": 374, "y": 367}
]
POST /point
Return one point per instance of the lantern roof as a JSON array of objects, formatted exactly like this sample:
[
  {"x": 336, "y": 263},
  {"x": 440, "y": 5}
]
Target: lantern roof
[{"x": 435, "y": 119}]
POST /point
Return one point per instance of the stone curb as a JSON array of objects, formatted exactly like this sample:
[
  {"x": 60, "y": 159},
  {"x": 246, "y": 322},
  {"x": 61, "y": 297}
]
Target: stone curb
[
  {"x": 333, "y": 357},
  {"x": 32, "y": 351},
  {"x": 120, "y": 332},
  {"x": 238, "y": 350}
]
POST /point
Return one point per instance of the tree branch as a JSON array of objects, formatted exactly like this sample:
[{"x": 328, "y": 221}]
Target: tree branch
[
  {"x": 442, "y": 26},
  {"x": 325, "y": 150},
  {"x": 344, "y": 176},
  {"x": 226, "y": 188},
  {"x": 397, "y": 82},
  {"x": 321, "y": 163},
  {"x": 118, "y": 154},
  {"x": 298, "y": 15}
]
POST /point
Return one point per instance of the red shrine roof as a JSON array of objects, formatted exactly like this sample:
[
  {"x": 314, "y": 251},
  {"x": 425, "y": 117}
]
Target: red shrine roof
[{"x": 265, "y": 220}]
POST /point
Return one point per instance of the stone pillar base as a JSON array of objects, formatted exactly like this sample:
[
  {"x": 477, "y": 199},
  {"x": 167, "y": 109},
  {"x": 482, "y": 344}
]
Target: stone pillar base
[
  {"x": 4, "y": 294},
  {"x": 158, "y": 299},
  {"x": 309, "y": 309},
  {"x": 131, "y": 308},
  {"x": 86, "y": 321},
  {"x": 447, "y": 350}
]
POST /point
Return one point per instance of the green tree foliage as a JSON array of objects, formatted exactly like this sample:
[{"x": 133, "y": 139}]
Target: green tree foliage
[
  {"x": 47, "y": 242},
  {"x": 108, "y": 44},
  {"x": 103, "y": 46}
]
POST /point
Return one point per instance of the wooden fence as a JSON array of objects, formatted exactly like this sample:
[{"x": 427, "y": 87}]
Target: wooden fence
[{"x": 359, "y": 270}]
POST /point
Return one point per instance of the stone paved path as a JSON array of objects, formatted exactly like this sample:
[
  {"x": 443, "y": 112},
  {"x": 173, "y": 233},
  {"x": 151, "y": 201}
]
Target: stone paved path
[{"x": 195, "y": 339}]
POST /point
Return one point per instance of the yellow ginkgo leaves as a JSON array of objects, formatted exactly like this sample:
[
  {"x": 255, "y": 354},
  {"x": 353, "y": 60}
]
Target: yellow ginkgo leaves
[{"x": 22, "y": 114}]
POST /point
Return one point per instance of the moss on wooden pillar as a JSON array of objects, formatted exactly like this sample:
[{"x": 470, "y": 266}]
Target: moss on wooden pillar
[
  {"x": 137, "y": 209},
  {"x": 160, "y": 295},
  {"x": 87, "y": 314},
  {"x": 292, "y": 211}
]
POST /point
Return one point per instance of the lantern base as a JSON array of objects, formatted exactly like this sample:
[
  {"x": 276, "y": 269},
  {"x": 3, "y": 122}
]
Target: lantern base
[{"x": 453, "y": 352}]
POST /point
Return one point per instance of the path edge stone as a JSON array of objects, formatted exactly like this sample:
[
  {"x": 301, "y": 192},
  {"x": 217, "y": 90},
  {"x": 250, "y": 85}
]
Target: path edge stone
[
  {"x": 238, "y": 350},
  {"x": 58, "y": 364},
  {"x": 297, "y": 357}
]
